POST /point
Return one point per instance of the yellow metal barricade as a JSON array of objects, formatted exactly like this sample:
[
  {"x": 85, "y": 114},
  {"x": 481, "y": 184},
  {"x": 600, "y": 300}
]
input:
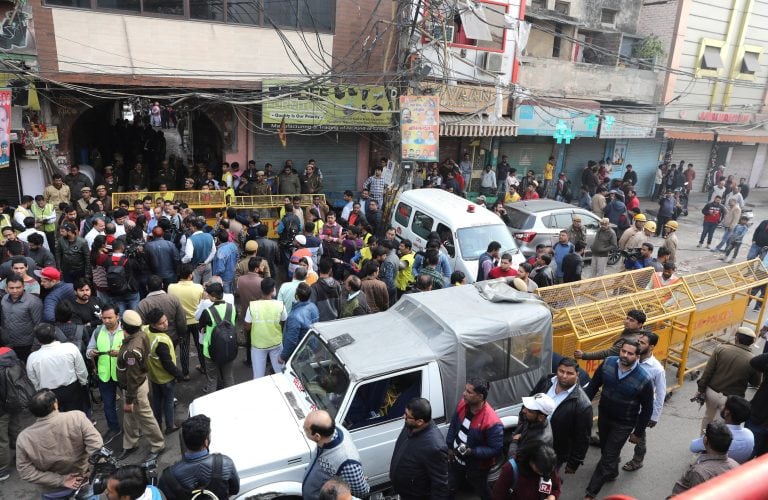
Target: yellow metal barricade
[
  {"x": 559, "y": 297},
  {"x": 269, "y": 207},
  {"x": 596, "y": 326},
  {"x": 722, "y": 296}
]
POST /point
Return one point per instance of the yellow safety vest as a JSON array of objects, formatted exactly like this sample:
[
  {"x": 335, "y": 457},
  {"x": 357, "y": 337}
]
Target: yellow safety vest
[
  {"x": 156, "y": 372},
  {"x": 405, "y": 276},
  {"x": 44, "y": 213},
  {"x": 106, "y": 365},
  {"x": 266, "y": 332}
]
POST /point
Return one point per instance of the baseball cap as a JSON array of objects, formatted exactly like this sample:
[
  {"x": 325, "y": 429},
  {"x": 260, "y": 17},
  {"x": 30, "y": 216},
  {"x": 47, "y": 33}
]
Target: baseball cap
[
  {"x": 540, "y": 402},
  {"x": 131, "y": 318},
  {"x": 52, "y": 273}
]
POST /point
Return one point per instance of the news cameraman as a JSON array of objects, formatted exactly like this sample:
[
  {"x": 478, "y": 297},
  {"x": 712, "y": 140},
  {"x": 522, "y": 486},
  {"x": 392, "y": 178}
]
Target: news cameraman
[
  {"x": 53, "y": 452},
  {"x": 639, "y": 260},
  {"x": 131, "y": 483}
]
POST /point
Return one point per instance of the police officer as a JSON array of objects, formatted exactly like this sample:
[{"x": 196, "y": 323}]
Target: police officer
[{"x": 132, "y": 361}]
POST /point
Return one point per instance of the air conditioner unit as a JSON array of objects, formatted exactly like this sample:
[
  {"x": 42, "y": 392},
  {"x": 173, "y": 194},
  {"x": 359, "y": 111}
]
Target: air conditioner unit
[{"x": 493, "y": 62}]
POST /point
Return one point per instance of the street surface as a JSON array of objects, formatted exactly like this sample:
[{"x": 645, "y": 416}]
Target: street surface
[{"x": 668, "y": 442}]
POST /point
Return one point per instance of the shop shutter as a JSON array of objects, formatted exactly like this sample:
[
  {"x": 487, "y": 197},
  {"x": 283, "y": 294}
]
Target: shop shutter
[
  {"x": 336, "y": 156},
  {"x": 578, "y": 153},
  {"x": 643, "y": 154},
  {"x": 740, "y": 163},
  {"x": 525, "y": 156},
  {"x": 696, "y": 152}
]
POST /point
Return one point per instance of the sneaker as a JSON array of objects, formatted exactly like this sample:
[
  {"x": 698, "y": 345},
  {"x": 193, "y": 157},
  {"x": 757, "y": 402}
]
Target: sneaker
[
  {"x": 4, "y": 474},
  {"x": 707, "y": 246},
  {"x": 698, "y": 246},
  {"x": 111, "y": 434}
]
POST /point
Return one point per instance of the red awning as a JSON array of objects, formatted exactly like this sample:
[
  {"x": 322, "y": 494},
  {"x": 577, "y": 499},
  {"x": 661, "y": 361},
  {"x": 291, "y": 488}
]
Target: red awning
[{"x": 689, "y": 135}]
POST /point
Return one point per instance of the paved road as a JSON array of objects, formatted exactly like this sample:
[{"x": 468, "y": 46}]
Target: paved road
[{"x": 668, "y": 442}]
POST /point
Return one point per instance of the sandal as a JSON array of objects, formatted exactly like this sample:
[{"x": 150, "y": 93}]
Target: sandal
[{"x": 632, "y": 466}]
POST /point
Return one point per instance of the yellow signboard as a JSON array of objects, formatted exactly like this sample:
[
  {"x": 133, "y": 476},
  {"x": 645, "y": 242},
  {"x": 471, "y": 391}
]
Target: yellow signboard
[
  {"x": 327, "y": 107},
  {"x": 467, "y": 98}
]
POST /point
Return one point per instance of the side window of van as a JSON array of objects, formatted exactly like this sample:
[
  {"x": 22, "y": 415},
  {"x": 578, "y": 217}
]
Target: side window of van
[
  {"x": 383, "y": 400},
  {"x": 446, "y": 237},
  {"x": 422, "y": 224},
  {"x": 403, "y": 214}
]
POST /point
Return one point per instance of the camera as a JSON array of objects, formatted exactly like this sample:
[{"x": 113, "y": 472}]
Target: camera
[
  {"x": 631, "y": 253},
  {"x": 103, "y": 465}
]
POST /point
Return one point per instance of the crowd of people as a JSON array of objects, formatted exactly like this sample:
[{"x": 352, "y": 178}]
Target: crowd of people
[{"x": 113, "y": 298}]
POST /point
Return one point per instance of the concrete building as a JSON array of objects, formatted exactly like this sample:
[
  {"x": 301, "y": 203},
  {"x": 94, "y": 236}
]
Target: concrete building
[
  {"x": 713, "y": 101},
  {"x": 580, "y": 73}
]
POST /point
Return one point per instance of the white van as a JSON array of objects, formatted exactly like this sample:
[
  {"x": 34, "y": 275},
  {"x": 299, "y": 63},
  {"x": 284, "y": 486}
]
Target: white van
[{"x": 465, "y": 228}]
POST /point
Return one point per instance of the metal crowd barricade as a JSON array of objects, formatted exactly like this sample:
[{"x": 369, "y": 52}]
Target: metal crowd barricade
[
  {"x": 589, "y": 291},
  {"x": 722, "y": 296},
  {"x": 195, "y": 199},
  {"x": 595, "y": 326},
  {"x": 269, "y": 207}
]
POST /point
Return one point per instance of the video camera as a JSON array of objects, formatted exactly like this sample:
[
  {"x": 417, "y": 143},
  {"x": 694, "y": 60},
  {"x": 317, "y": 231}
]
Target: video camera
[
  {"x": 631, "y": 253},
  {"x": 103, "y": 465}
]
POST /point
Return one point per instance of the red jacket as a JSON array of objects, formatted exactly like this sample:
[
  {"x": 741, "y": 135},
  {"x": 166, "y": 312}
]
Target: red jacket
[{"x": 485, "y": 438}]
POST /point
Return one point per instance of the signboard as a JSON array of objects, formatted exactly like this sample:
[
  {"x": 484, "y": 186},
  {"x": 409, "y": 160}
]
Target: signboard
[
  {"x": 419, "y": 127},
  {"x": 327, "y": 107},
  {"x": 543, "y": 120},
  {"x": 630, "y": 126},
  {"x": 5, "y": 123},
  {"x": 467, "y": 99}
]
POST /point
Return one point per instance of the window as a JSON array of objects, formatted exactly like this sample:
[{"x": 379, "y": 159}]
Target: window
[
  {"x": 539, "y": 4},
  {"x": 711, "y": 59},
  {"x": 473, "y": 241},
  {"x": 481, "y": 26},
  {"x": 556, "y": 43},
  {"x": 608, "y": 16},
  {"x": 563, "y": 7},
  {"x": 590, "y": 222},
  {"x": 306, "y": 15},
  {"x": 382, "y": 400},
  {"x": 403, "y": 214},
  {"x": 749, "y": 63},
  {"x": 422, "y": 224},
  {"x": 505, "y": 358},
  {"x": 320, "y": 374},
  {"x": 446, "y": 237}
]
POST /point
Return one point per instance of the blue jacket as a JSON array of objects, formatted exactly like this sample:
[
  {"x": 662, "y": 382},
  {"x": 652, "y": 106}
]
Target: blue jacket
[
  {"x": 163, "y": 256},
  {"x": 485, "y": 438},
  {"x": 302, "y": 315},
  {"x": 225, "y": 261},
  {"x": 737, "y": 234},
  {"x": 59, "y": 293},
  {"x": 561, "y": 250}
]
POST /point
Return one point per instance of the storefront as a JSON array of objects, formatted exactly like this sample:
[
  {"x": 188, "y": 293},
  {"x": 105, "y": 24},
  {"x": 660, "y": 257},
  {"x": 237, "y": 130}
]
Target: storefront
[{"x": 631, "y": 140}]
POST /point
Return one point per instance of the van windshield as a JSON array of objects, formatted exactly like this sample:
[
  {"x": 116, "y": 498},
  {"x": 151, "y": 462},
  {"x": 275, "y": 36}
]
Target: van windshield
[
  {"x": 473, "y": 241},
  {"x": 320, "y": 374}
]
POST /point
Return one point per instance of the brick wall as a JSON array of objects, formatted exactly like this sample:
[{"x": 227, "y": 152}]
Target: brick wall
[
  {"x": 363, "y": 33},
  {"x": 659, "y": 20}
]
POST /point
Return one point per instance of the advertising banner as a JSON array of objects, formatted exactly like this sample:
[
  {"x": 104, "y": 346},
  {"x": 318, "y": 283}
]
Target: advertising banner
[
  {"x": 420, "y": 127},
  {"x": 5, "y": 127},
  {"x": 300, "y": 106}
]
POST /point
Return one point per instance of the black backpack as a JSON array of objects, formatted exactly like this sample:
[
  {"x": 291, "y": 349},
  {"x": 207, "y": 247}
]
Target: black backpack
[
  {"x": 117, "y": 277},
  {"x": 223, "y": 346},
  {"x": 16, "y": 390}
]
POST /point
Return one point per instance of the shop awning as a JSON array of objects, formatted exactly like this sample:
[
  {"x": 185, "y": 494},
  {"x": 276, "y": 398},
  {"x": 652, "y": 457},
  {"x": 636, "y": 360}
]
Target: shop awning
[
  {"x": 474, "y": 126},
  {"x": 746, "y": 136},
  {"x": 689, "y": 135}
]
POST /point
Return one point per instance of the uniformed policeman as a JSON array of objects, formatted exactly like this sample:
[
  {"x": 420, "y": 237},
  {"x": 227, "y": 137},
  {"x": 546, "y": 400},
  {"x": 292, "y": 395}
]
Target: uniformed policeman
[{"x": 132, "y": 370}]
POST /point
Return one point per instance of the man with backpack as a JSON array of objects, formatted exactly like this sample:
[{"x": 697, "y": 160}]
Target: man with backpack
[
  {"x": 15, "y": 392},
  {"x": 132, "y": 369},
  {"x": 217, "y": 326},
  {"x": 123, "y": 291},
  {"x": 199, "y": 470}
]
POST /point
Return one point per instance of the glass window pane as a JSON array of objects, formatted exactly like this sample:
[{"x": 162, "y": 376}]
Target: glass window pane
[
  {"x": 422, "y": 224},
  {"x": 316, "y": 15},
  {"x": 243, "y": 11},
  {"x": 403, "y": 214},
  {"x": 280, "y": 12},
  {"x": 83, "y": 4},
  {"x": 211, "y": 10},
  {"x": 127, "y": 5},
  {"x": 168, "y": 7}
]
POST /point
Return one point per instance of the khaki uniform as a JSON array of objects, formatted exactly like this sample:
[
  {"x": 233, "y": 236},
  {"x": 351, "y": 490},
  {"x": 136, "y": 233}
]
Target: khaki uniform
[
  {"x": 670, "y": 243},
  {"x": 132, "y": 375}
]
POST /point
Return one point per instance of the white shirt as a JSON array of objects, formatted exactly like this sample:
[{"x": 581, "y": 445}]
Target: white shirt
[
  {"x": 92, "y": 234},
  {"x": 559, "y": 397},
  {"x": 659, "y": 377},
  {"x": 346, "y": 211},
  {"x": 24, "y": 236},
  {"x": 56, "y": 365},
  {"x": 741, "y": 447},
  {"x": 119, "y": 230},
  {"x": 189, "y": 250}
]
